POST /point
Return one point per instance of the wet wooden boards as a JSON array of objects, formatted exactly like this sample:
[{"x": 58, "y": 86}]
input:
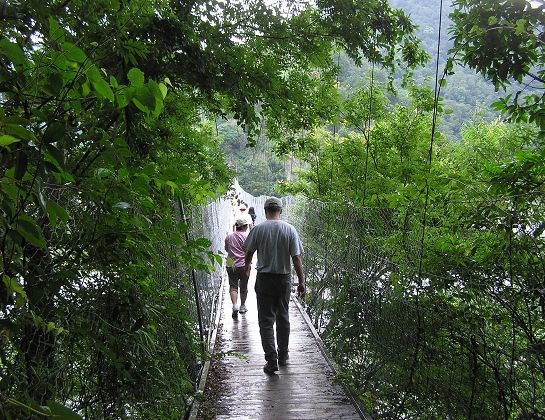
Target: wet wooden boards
[{"x": 303, "y": 389}]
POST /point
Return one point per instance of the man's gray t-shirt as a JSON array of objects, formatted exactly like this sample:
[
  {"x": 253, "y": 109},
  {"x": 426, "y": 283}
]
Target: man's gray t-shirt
[{"x": 275, "y": 242}]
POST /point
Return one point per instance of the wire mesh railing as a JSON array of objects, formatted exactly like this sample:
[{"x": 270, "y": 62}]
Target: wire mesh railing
[
  {"x": 214, "y": 223},
  {"x": 417, "y": 335}
]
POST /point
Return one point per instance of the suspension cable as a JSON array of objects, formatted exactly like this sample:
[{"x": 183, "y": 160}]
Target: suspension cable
[
  {"x": 194, "y": 281},
  {"x": 334, "y": 137},
  {"x": 367, "y": 131},
  {"x": 437, "y": 92},
  {"x": 330, "y": 198}
]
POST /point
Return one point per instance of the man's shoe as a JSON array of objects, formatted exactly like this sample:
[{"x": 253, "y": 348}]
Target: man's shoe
[
  {"x": 270, "y": 367},
  {"x": 283, "y": 360},
  {"x": 243, "y": 309},
  {"x": 235, "y": 312}
]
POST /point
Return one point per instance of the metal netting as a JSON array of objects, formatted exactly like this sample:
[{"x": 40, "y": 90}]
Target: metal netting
[
  {"x": 212, "y": 222},
  {"x": 459, "y": 343}
]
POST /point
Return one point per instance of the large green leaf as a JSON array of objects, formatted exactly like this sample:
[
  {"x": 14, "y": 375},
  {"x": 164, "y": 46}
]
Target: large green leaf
[
  {"x": 15, "y": 120},
  {"x": 101, "y": 87},
  {"x": 60, "y": 412},
  {"x": 12, "y": 51},
  {"x": 6, "y": 140},
  {"x": 73, "y": 52},
  {"x": 136, "y": 77},
  {"x": 19, "y": 132},
  {"x": 140, "y": 105},
  {"x": 163, "y": 89},
  {"x": 145, "y": 99},
  {"x": 56, "y": 33},
  {"x": 13, "y": 287},
  {"x": 27, "y": 227},
  {"x": 56, "y": 213},
  {"x": 53, "y": 84},
  {"x": 54, "y": 132},
  {"x": 21, "y": 165}
]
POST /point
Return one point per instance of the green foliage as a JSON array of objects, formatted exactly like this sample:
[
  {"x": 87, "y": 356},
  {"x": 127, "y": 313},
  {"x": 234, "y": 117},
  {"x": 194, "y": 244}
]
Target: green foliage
[
  {"x": 88, "y": 179},
  {"x": 385, "y": 29},
  {"x": 465, "y": 92},
  {"x": 301, "y": 90},
  {"x": 447, "y": 327},
  {"x": 257, "y": 168},
  {"x": 373, "y": 160},
  {"x": 425, "y": 265},
  {"x": 502, "y": 40}
]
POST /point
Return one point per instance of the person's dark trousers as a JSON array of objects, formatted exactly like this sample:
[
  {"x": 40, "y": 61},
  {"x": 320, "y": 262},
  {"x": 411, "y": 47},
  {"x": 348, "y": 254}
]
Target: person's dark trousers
[{"x": 273, "y": 297}]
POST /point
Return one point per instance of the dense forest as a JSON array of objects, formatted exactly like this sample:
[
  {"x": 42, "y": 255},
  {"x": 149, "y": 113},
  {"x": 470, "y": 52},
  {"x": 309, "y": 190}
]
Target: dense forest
[
  {"x": 114, "y": 119},
  {"x": 466, "y": 97}
]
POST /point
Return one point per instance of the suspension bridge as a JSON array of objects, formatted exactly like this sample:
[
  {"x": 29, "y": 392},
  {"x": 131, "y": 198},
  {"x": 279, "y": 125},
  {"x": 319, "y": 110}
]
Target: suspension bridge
[
  {"x": 432, "y": 302},
  {"x": 339, "y": 245},
  {"x": 408, "y": 342},
  {"x": 233, "y": 384},
  {"x": 400, "y": 331}
]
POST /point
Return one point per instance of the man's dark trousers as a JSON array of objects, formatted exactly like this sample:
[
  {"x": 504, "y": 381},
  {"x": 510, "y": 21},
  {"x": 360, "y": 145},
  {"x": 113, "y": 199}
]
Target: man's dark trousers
[{"x": 273, "y": 297}]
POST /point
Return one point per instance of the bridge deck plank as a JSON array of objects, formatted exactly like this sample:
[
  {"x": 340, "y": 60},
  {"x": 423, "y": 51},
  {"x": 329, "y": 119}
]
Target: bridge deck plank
[{"x": 304, "y": 389}]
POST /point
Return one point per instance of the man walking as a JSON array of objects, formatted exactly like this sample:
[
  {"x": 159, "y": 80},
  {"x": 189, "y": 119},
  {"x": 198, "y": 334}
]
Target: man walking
[
  {"x": 276, "y": 243},
  {"x": 237, "y": 273}
]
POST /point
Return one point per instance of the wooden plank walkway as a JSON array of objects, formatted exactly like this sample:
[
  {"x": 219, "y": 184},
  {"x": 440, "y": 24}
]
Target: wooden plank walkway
[{"x": 301, "y": 390}]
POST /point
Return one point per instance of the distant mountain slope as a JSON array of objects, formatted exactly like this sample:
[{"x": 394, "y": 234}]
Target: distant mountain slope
[{"x": 466, "y": 93}]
